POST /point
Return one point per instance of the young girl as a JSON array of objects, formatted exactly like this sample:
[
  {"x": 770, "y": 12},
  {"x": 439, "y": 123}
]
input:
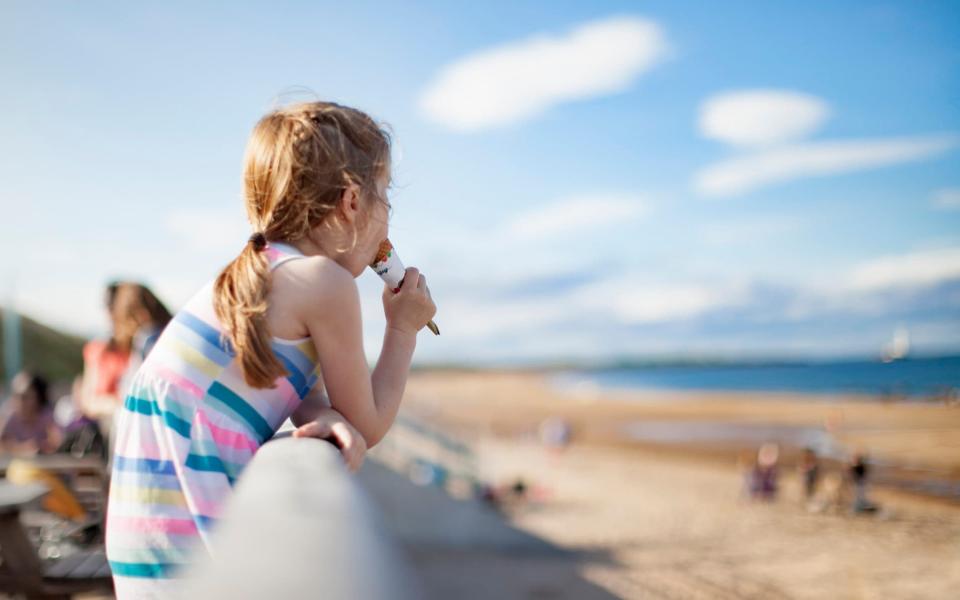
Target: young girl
[{"x": 249, "y": 349}]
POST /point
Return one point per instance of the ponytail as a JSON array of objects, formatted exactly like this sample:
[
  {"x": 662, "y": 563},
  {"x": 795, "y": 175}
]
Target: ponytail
[{"x": 240, "y": 301}]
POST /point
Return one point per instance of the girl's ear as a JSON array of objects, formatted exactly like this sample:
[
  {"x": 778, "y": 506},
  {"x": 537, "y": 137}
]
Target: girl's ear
[{"x": 349, "y": 204}]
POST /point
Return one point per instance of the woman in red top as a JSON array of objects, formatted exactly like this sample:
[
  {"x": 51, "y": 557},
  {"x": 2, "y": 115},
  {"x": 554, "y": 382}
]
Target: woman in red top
[{"x": 105, "y": 362}]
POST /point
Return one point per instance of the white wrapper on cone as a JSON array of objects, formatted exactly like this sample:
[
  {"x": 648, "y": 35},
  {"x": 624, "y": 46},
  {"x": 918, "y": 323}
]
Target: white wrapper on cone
[{"x": 391, "y": 270}]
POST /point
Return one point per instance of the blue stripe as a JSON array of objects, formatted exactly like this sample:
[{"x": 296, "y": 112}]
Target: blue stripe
[
  {"x": 189, "y": 337},
  {"x": 205, "y": 331},
  {"x": 143, "y": 465},
  {"x": 146, "y": 570},
  {"x": 151, "y": 408},
  {"x": 204, "y": 522},
  {"x": 297, "y": 358},
  {"x": 239, "y": 406},
  {"x": 207, "y": 463},
  {"x": 312, "y": 381},
  {"x": 296, "y": 378}
]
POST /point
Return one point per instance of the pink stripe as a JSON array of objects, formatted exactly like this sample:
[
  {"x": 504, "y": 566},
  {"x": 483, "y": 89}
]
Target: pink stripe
[
  {"x": 153, "y": 525},
  {"x": 292, "y": 397},
  {"x": 226, "y": 437},
  {"x": 272, "y": 253},
  {"x": 205, "y": 507},
  {"x": 180, "y": 381}
]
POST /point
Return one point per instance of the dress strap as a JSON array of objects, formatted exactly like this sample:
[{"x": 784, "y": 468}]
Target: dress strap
[{"x": 279, "y": 253}]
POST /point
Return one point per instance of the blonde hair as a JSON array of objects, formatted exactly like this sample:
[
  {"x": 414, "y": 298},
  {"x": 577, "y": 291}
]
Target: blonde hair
[{"x": 298, "y": 162}]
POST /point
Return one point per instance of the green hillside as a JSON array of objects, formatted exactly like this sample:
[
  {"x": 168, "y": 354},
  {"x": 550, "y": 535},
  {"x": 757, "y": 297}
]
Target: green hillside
[{"x": 49, "y": 352}]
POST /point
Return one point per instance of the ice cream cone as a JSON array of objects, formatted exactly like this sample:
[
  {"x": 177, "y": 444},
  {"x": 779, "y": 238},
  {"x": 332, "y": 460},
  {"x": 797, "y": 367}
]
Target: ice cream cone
[{"x": 391, "y": 270}]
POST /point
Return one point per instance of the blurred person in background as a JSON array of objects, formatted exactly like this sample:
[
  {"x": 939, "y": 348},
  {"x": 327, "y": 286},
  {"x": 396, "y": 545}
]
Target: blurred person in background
[
  {"x": 763, "y": 477},
  {"x": 809, "y": 469},
  {"x": 105, "y": 362},
  {"x": 137, "y": 318},
  {"x": 27, "y": 425},
  {"x": 28, "y": 428},
  {"x": 143, "y": 312},
  {"x": 858, "y": 472},
  {"x": 81, "y": 432}
]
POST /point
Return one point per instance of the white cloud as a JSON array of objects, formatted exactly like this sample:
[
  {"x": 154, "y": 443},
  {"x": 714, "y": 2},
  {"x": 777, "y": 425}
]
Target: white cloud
[
  {"x": 575, "y": 215},
  {"x": 634, "y": 302},
  {"x": 923, "y": 268},
  {"x": 748, "y": 229},
  {"x": 947, "y": 199},
  {"x": 519, "y": 80},
  {"x": 761, "y": 117},
  {"x": 747, "y": 173}
]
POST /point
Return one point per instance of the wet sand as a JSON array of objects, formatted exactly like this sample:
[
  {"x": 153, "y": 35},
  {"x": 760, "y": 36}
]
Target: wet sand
[{"x": 667, "y": 519}]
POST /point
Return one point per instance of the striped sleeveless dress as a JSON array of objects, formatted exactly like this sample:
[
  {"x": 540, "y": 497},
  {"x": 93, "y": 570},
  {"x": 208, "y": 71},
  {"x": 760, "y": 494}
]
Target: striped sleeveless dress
[{"x": 188, "y": 426}]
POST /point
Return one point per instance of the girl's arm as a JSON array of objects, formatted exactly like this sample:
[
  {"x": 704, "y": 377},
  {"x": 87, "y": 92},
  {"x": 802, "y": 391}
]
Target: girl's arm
[
  {"x": 311, "y": 406},
  {"x": 369, "y": 403}
]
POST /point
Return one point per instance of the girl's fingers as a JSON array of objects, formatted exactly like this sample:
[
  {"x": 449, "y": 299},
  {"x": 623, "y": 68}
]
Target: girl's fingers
[
  {"x": 348, "y": 440},
  {"x": 422, "y": 282},
  {"x": 317, "y": 429},
  {"x": 352, "y": 445},
  {"x": 411, "y": 278}
]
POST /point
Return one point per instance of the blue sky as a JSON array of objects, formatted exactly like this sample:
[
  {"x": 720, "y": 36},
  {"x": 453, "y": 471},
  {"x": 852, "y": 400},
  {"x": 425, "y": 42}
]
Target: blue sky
[{"x": 577, "y": 180}]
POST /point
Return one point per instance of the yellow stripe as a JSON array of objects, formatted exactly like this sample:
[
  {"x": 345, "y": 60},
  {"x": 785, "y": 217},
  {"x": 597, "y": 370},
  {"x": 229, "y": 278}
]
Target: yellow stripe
[
  {"x": 148, "y": 495},
  {"x": 308, "y": 349},
  {"x": 196, "y": 359}
]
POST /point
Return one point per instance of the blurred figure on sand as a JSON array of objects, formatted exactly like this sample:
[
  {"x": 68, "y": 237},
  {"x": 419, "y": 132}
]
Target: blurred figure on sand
[
  {"x": 809, "y": 469},
  {"x": 858, "y": 473},
  {"x": 555, "y": 433},
  {"x": 763, "y": 476}
]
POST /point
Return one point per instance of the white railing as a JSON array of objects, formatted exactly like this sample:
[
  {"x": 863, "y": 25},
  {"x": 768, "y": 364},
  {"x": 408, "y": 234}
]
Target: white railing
[{"x": 299, "y": 526}]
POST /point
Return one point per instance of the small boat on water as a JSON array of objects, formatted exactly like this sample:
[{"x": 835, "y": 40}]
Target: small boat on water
[{"x": 898, "y": 347}]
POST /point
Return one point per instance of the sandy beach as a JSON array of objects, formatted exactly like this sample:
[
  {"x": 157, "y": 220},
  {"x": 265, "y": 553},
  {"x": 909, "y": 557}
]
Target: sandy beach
[{"x": 667, "y": 518}]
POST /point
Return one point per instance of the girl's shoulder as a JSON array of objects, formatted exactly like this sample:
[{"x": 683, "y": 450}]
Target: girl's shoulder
[
  {"x": 317, "y": 274},
  {"x": 311, "y": 285}
]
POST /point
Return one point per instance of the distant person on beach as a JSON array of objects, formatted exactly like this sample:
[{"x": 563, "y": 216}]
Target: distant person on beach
[
  {"x": 555, "y": 433},
  {"x": 859, "y": 472},
  {"x": 27, "y": 425},
  {"x": 809, "y": 469},
  {"x": 763, "y": 476},
  {"x": 248, "y": 350}
]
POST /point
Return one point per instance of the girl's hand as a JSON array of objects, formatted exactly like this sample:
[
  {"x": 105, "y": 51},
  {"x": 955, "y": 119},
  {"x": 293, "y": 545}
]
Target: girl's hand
[
  {"x": 331, "y": 426},
  {"x": 409, "y": 309}
]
